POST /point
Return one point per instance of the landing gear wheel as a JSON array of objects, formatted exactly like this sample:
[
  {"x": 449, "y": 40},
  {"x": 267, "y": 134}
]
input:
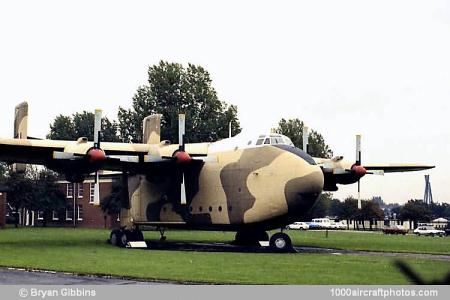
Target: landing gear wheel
[
  {"x": 280, "y": 242},
  {"x": 124, "y": 238},
  {"x": 115, "y": 237}
]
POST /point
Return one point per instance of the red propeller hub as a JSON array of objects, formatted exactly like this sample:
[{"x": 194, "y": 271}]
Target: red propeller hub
[
  {"x": 182, "y": 157},
  {"x": 360, "y": 171},
  {"x": 96, "y": 155}
]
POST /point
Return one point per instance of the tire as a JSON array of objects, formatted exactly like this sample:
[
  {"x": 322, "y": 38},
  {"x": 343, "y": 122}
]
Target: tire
[
  {"x": 280, "y": 242},
  {"x": 114, "y": 237},
  {"x": 118, "y": 238}
]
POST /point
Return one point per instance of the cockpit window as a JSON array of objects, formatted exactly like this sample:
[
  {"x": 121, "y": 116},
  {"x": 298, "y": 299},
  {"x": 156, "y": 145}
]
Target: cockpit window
[{"x": 272, "y": 139}]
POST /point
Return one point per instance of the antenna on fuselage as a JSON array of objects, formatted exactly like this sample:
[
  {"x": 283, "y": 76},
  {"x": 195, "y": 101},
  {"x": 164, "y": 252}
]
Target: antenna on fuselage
[{"x": 305, "y": 138}]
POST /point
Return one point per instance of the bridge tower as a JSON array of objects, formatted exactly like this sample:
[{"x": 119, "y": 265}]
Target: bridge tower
[{"x": 428, "y": 196}]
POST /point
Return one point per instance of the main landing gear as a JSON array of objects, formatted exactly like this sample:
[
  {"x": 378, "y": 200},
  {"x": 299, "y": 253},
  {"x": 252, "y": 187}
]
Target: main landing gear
[
  {"x": 121, "y": 237},
  {"x": 279, "y": 242}
]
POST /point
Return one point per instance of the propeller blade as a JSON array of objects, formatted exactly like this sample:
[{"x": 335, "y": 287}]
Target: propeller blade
[
  {"x": 181, "y": 130},
  {"x": 66, "y": 155},
  {"x": 359, "y": 195},
  {"x": 96, "y": 190},
  {"x": 376, "y": 172},
  {"x": 97, "y": 127},
  {"x": 183, "y": 191},
  {"x": 305, "y": 138},
  {"x": 358, "y": 149}
]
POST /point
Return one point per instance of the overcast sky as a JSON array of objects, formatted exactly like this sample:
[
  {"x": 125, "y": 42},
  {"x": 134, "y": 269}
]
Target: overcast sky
[{"x": 379, "y": 68}]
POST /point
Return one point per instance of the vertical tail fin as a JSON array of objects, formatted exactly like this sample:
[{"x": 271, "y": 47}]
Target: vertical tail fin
[
  {"x": 152, "y": 129},
  {"x": 21, "y": 121},
  {"x": 20, "y": 130}
]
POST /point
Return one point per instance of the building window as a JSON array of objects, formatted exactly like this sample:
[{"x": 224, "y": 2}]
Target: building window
[
  {"x": 69, "y": 213},
  {"x": 70, "y": 190},
  {"x": 40, "y": 215},
  {"x": 92, "y": 192},
  {"x": 55, "y": 216},
  {"x": 80, "y": 212},
  {"x": 80, "y": 190}
]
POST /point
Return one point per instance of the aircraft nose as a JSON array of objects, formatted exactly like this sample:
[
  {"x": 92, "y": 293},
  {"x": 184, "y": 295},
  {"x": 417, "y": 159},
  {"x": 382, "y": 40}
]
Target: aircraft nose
[{"x": 302, "y": 191}]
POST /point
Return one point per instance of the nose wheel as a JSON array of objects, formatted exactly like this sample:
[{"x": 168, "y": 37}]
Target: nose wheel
[{"x": 280, "y": 242}]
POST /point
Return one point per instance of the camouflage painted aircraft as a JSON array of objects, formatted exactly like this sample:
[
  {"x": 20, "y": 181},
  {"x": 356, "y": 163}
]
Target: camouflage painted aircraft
[{"x": 245, "y": 184}]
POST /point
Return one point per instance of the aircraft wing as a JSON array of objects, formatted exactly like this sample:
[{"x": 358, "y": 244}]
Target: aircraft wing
[
  {"x": 29, "y": 151},
  {"x": 141, "y": 158},
  {"x": 391, "y": 168}
]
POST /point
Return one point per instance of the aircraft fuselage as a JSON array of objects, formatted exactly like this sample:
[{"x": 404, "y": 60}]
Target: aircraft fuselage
[{"x": 263, "y": 187}]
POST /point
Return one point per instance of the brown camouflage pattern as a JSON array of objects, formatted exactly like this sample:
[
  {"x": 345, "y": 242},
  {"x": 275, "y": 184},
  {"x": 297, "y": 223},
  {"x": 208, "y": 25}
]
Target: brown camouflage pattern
[{"x": 263, "y": 187}]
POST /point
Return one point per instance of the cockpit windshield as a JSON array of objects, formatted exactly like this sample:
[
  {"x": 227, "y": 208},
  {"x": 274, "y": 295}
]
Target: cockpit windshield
[
  {"x": 245, "y": 140},
  {"x": 272, "y": 139}
]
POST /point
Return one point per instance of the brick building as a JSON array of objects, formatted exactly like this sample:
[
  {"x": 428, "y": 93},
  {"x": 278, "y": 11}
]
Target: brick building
[{"x": 80, "y": 209}]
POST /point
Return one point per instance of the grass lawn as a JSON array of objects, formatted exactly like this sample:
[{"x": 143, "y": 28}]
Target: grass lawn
[
  {"x": 373, "y": 241},
  {"x": 85, "y": 251}
]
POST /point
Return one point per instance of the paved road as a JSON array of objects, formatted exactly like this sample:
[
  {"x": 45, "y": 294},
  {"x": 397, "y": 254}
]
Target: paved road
[{"x": 18, "y": 276}]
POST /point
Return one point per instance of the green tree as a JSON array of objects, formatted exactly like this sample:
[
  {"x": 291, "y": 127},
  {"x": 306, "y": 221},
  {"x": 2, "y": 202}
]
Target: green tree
[
  {"x": 173, "y": 89},
  {"x": 370, "y": 211},
  {"x": 416, "y": 211},
  {"x": 20, "y": 192},
  {"x": 81, "y": 125},
  {"x": 349, "y": 209},
  {"x": 321, "y": 208},
  {"x": 113, "y": 203},
  {"x": 293, "y": 128},
  {"x": 3, "y": 172},
  {"x": 336, "y": 208},
  {"x": 47, "y": 195}
]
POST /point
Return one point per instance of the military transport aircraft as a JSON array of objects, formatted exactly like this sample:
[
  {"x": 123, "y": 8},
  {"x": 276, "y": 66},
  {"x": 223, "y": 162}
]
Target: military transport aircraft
[{"x": 247, "y": 184}]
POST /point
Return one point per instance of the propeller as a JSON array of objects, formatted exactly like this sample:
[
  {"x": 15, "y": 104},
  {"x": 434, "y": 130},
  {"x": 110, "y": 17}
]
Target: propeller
[
  {"x": 359, "y": 170},
  {"x": 181, "y": 156},
  {"x": 305, "y": 138},
  {"x": 96, "y": 154}
]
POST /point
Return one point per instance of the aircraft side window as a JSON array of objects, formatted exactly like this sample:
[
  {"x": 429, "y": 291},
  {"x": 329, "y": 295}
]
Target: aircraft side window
[
  {"x": 259, "y": 141},
  {"x": 267, "y": 141},
  {"x": 273, "y": 141},
  {"x": 279, "y": 140}
]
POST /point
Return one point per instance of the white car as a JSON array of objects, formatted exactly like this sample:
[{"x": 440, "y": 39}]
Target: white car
[
  {"x": 428, "y": 230},
  {"x": 338, "y": 225},
  {"x": 298, "y": 226}
]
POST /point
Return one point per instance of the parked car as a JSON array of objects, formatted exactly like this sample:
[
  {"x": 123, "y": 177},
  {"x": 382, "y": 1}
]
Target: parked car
[
  {"x": 428, "y": 230},
  {"x": 396, "y": 229},
  {"x": 338, "y": 225},
  {"x": 320, "y": 223},
  {"x": 298, "y": 226}
]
